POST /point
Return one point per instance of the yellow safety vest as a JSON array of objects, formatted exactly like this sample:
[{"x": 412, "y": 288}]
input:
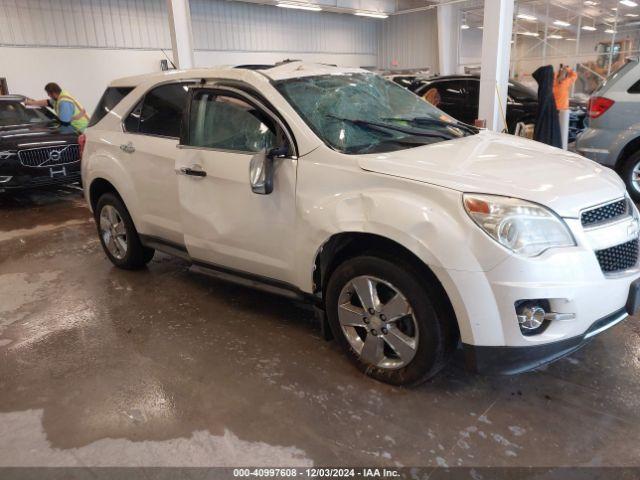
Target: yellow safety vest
[{"x": 80, "y": 119}]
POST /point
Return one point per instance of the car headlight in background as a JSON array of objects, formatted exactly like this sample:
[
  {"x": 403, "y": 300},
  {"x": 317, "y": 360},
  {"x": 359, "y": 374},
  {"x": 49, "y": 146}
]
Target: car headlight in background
[{"x": 526, "y": 228}]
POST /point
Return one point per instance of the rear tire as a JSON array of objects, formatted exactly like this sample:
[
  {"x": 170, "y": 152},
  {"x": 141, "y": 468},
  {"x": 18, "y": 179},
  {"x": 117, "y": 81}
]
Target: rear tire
[
  {"x": 361, "y": 299},
  {"x": 630, "y": 173},
  {"x": 118, "y": 236}
]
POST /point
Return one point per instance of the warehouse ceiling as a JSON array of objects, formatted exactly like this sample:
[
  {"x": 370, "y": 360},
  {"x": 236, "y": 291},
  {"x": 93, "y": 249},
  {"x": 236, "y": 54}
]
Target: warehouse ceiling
[{"x": 563, "y": 15}]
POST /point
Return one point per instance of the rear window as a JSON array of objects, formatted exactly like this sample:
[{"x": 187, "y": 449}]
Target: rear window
[
  {"x": 110, "y": 98},
  {"x": 615, "y": 76}
]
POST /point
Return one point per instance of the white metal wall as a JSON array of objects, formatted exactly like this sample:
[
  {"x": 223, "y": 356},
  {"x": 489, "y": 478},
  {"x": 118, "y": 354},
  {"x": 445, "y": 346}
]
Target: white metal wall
[
  {"x": 141, "y": 24},
  {"x": 409, "y": 41},
  {"x": 244, "y": 27},
  {"x": 217, "y": 26},
  {"x": 84, "y": 44}
]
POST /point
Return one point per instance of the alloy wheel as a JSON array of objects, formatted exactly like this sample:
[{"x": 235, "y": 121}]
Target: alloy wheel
[
  {"x": 113, "y": 232},
  {"x": 378, "y": 322}
]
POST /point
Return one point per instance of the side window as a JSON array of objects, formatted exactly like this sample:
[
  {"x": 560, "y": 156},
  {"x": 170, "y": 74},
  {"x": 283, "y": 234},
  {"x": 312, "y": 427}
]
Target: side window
[
  {"x": 160, "y": 111},
  {"x": 453, "y": 92},
  {"x": 110, "y": 98},
  {"x": 132, "y": 122},
  {"x": 229, "y": 123},
  {"x": 473, "y": 92}
]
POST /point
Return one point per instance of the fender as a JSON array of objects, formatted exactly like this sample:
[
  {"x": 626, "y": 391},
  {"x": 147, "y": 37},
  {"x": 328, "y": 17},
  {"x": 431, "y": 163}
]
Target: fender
[
  {"x": 99, "y": 163},
  {"x": 428, "y": 220}
]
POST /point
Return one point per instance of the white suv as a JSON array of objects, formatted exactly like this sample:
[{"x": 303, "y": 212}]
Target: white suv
[{"x": 412, "y": 234}]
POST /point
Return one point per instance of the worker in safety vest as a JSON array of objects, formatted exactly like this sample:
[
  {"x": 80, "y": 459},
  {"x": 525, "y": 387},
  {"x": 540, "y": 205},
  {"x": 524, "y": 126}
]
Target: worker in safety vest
[{"x": 67, "y": 108}]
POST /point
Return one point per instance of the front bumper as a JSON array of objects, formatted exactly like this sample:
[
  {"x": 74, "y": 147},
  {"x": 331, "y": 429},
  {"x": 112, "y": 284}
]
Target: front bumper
[
  {"x": 513, "y": 360},
  {"x": 23, "y": 177}
]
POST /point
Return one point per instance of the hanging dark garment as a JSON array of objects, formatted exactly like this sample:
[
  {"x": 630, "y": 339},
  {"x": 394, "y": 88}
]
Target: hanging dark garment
[{"x": 547, "y": 129}]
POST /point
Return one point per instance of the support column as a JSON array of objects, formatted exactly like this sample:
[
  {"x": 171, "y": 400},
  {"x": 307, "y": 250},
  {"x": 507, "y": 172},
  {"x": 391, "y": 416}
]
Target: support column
[
  {"x": 181, "y": 36},
  {"x": 496, "y": 53},
  {"x": 448, "y": 34}
]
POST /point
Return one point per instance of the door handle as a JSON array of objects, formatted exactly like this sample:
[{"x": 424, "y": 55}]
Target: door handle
[
  {"x": 128, "y": 147},
  {"x": 193, "y": 172}
]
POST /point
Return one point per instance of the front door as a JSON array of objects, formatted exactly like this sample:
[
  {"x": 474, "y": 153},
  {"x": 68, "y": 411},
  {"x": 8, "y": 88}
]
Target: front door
[{"x": 225, "y": 224}]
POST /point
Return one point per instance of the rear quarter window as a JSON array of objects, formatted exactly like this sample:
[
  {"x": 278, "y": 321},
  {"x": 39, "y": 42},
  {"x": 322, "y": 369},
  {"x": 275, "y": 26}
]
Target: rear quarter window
[
  {"x": 110, "y": 98},
  {"x": 635, "y": 88}
]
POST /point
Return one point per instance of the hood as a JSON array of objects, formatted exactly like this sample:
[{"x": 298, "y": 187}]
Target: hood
[
  {"x": 33, "y": 136},
  {"x": 502, "y": 164}
]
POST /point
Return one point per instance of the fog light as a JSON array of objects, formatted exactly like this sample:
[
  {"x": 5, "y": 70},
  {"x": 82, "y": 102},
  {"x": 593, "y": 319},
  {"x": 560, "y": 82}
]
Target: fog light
[
  {"x": 5, "y": 179},
  {"x": 532, "y": 316}
]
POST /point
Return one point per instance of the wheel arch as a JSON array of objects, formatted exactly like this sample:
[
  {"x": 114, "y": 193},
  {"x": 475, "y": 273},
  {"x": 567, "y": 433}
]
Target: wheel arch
[
  {"x": 343, "y": 246},
  {"x": 629, "y": 149},
  {"x": 99, "y": 186}
]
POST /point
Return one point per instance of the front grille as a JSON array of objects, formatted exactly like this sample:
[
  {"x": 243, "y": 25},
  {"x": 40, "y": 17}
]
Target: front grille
[
  {"x": 49, "y": 156},
  {"x": 618, "y": 258},
  {"x": 605, "y": 213}
]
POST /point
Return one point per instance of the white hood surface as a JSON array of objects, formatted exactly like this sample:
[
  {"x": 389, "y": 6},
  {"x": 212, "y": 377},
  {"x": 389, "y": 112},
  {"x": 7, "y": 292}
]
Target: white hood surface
[{"x": 506, "y": 165}]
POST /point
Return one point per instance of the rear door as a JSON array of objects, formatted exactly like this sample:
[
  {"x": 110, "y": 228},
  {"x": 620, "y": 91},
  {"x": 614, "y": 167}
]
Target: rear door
[
  {"x": 149, "y": 147},
  {"x": 226, "y": 224}
]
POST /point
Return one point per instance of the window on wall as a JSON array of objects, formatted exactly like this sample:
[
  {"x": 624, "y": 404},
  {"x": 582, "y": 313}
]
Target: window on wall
[
  {"x": 230, "y": 123},
  {"x": 160, "y": 112}
]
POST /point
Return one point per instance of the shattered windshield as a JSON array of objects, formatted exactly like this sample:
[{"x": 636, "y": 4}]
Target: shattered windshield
[{"x": 364, "y": 113}]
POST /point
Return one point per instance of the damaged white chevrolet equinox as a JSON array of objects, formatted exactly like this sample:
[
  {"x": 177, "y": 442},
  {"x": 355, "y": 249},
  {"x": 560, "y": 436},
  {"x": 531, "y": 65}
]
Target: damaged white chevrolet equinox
[{"x": 412, "y": 234}]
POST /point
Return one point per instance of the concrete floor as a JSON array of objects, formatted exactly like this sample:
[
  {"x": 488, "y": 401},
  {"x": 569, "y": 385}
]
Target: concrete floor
[{"x": 100, "y": 366}]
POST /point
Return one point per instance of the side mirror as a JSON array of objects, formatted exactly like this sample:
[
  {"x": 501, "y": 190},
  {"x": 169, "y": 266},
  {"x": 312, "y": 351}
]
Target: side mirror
[{"x": 261, "y": 170}]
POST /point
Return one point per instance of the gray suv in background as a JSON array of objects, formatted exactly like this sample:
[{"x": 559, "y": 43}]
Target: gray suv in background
[{"x": 612, "y": 137}]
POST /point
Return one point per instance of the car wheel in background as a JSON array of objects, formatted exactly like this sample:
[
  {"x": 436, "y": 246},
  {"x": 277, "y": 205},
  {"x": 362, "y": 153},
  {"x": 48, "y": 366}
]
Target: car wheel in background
[
  {"x": 383, "y": 315},
  {"x": 118, "y": 235},
  {"x": 630, "y": 173}
]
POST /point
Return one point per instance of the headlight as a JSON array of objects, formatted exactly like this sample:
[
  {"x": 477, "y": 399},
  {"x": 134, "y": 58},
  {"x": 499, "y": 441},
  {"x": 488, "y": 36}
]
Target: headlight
[
  {"x": 525, "y": 228},
  {"x": 6, "y": 154}
]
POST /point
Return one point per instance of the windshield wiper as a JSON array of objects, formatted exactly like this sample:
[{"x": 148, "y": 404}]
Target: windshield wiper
[
  {"x": 435, "y": 121},
  {"x": 386, "y": 126},
  {"x": 407, "y": 141}
]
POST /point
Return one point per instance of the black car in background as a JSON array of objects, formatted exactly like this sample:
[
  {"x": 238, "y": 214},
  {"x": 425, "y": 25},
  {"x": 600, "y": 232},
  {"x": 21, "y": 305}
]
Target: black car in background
[
  {"x": 35, "y": 150},
  {"x": 458, "y": 95}
]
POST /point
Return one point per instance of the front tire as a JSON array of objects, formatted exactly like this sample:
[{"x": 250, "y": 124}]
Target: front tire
[
  {"x": 630, "y": 174},
  {"x": 385, "y": 316},
  {"x": 118, "y": 236}
]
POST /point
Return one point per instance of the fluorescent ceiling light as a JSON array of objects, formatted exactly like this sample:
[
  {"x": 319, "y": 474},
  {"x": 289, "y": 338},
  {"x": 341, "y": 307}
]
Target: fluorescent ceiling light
[
  {"x": 371, "y": 14},
  {"x": 529, "y": 34},
  {"x": 465, "y": 27},
  {"x": 631, "y": 15},
  {"x": 570, "y": 39},
  {"x": 590, "y": 3},
  {"x": 525, "y": 16},
  {"x": 609, "y": 30},
  {"x": 562, "y": 23},
  {"x": 589, "y": 28},
  {"x": 555, "y": 36},
  {"x": 300, "y": 6},
  {"x": 629, "y": 3}
]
